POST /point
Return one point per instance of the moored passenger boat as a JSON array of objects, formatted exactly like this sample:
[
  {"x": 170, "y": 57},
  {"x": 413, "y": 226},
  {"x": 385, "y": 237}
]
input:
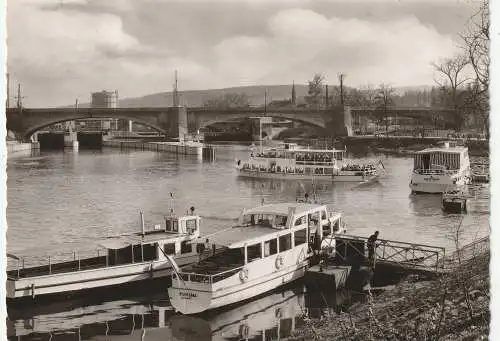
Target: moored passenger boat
[
  {"x": 270, "y": 247},
  {"x": 289, "y": 161},
  {"x": 440, "y": 169},
  {"x": 125, "y": 259}
]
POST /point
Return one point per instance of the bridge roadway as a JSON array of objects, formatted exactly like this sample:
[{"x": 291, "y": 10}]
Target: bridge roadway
[{"x": 177, "y": 121}]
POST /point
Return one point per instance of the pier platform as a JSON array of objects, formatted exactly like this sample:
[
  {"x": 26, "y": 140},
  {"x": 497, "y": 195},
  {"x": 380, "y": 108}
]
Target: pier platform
[
  {"x": 328, "y": 276},
  {"x": 179, "y": 148}
]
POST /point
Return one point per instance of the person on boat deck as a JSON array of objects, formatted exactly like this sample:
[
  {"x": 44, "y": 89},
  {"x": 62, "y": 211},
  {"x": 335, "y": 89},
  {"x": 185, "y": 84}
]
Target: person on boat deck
[
  {"x": 207, "y": 245},
  {"x": 371, "y": 246}
]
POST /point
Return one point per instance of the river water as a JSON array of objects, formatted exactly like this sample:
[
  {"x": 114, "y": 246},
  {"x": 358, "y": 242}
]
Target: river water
[{"x": 64, "y": 201}]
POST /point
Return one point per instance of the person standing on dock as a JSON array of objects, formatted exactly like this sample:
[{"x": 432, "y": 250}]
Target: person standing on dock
[{"x": 371, "y": 246}]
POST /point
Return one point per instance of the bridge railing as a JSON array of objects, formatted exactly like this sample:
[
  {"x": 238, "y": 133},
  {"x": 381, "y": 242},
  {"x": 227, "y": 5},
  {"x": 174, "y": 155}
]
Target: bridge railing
[{"x": 418, "y": 256}]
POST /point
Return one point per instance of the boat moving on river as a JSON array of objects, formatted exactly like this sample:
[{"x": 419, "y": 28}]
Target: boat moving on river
[
  {"x": 270, "y": 247},
  {"x": 441, "y": 169},
  {"x": 120, "y": 260},
  {"x": 289, "y": 161}
]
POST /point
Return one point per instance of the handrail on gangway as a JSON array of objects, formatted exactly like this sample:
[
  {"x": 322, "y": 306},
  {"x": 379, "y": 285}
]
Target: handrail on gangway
[{"x": 412, "y": 255}]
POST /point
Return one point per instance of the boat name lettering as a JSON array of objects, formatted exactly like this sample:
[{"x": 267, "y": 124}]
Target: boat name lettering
[
  {"x": 431, "y": 178},
  {"x": 187, "y": 294}
]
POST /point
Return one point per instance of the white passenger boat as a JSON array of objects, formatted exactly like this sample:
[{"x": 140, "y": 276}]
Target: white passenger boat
[
  {"x": 125, "y": 259},
  {"x": 289, "y": 161},
  {"x": 270, "y": 246},
  {"x": 440, "y": 169}
]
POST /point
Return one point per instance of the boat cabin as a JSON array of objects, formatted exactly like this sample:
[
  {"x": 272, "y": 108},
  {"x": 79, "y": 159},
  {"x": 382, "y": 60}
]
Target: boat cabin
[
  {"x": 146, "y": 246},
  {"x": 266, "y": 231},
  {"x": 440, "y": 160},
  {"x": 172, "y": 239}
]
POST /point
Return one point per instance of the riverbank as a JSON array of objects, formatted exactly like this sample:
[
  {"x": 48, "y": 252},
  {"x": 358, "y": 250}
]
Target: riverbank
[
  {"x": 454, "y": 306},
  {"x": 396, "y": 145},
  {"x": 15, "y": 148},
  {"x": 408, "y": 145}
]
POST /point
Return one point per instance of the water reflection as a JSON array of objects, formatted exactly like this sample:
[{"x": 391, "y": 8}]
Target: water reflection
[{"x": 272, "y": 317}]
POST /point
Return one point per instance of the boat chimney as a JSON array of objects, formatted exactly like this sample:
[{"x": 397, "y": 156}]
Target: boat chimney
[{"x": 142, "y": 223}]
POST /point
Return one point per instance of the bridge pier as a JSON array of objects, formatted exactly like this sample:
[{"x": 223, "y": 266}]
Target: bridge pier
[
  {"x": 71, "y": 140},
  {"x": 175, "y": 123}
]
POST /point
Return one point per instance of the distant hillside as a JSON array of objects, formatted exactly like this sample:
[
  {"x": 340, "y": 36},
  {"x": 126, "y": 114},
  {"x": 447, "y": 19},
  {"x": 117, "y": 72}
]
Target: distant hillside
[
  {"x": 196, "y": 98},
  {"x": 255, "y": 94}
]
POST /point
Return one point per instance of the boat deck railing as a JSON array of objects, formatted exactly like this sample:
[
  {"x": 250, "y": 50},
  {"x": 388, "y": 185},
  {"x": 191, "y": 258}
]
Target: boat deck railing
[
  {"x": 22, "y": 267},
  {"x": 411, "y": 255},
  {"x": 422, "y": 171},
  {"x": 210, "y": 278}
]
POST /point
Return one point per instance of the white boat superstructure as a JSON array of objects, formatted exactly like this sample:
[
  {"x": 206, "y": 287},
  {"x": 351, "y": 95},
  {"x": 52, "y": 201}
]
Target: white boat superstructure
[
  {"x": 123, "y": 259},
  {"x": 289, "y": 161},
  {"x": 440, "y": 169},
  {"x": 270, "y": 246}
]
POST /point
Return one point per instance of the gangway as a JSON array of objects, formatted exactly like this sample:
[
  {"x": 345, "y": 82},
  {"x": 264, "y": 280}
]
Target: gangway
[{"x": 409, "y": 257}]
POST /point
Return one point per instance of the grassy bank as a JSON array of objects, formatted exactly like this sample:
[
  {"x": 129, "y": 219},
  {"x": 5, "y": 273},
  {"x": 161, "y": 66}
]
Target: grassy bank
[{"x": 454, "y": 306}]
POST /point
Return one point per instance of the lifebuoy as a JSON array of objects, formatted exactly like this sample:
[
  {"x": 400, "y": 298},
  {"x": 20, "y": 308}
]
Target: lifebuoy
[
  {"x": 279, "y": 262},
  {"x": 243, "y": 275}
]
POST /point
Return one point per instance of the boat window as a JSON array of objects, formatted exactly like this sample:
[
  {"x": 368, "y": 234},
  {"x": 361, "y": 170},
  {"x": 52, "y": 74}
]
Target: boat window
[
  {"x": 138, "y": 252},
  {"x": 285, "y": 242},
  {"x": 270, "y": 247},
  {"x": 169, "y": 248},
  {"x": 265, "y": 220},
  {"x": 300, "y": 237},
  {"x": 150, "y": 252},
  {"x": 280, "y": 220},
  {"x": 300, "y": 220},
  {"x": 253, "y": 252},
  {"x": 171, "y": 225},
  {"x": 191, "y": 225},
  {"x": 326, "y": 230},
  {"x": 185, "y": 247},
  {"x": 336, "y": 225},
  {"x": 313, "y": 218}
]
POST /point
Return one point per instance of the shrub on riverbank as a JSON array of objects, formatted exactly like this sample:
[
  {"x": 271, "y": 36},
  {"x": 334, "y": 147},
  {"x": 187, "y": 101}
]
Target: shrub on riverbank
[{"x": 454, "y": 306}]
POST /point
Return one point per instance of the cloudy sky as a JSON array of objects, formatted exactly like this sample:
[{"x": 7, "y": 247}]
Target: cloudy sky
[{"x": 60, "y": 50}]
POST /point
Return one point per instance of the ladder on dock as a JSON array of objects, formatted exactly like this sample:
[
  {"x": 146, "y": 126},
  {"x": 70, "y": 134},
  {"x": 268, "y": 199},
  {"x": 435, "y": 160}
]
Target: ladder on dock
[{"x": 411, "y": 257}]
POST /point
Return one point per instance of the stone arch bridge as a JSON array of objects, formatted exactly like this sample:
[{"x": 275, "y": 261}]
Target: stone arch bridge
[{"x": 178, "y": 121}]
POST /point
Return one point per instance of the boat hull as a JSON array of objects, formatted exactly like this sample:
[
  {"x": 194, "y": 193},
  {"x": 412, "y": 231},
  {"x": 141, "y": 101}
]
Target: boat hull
[
  {"x": 66, "y": 282},
  {"x": 316, "y": 177},
  {"x": 436, "y": 183},
  {"x": 192, "y": 301}
]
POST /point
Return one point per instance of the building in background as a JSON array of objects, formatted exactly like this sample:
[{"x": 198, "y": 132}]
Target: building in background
[
  {"x": 105, "y": 99},
  {"x": 102, "y": 99}
]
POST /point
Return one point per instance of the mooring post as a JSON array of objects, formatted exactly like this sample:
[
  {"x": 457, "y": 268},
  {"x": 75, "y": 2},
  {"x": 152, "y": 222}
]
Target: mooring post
[
  {"x": 50, "y": 267},
  {"x": 78, "y": 262}
]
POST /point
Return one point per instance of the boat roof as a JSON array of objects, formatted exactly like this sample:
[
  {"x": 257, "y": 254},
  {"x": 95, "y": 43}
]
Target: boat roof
[
  {"x": 238, "y": 236},
  {"x": 306, "y": 150},
  {"x": 282, "y": 208},
  {"x": 457, "y": 149},
  {"x": 122, "y": 241}
]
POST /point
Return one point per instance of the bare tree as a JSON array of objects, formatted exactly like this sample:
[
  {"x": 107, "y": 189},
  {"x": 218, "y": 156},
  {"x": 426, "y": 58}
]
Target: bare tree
[
  {"x": 315, "y": 90},
  {"x": 476, "y": 45},
  {"x": 229, "y": 100},
  {"x": 450, "y": 77},
  {"x": 383, "y": 101}
]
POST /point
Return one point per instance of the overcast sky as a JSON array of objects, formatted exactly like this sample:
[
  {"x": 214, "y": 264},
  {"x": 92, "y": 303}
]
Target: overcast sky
[{"x": 61, "y": 50}]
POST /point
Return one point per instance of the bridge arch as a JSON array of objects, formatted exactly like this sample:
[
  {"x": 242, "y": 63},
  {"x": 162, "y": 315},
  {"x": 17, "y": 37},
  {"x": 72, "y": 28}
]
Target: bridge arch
[
  {"x": 204, "y": 121},
  {"x": 36, "y": 127}
]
